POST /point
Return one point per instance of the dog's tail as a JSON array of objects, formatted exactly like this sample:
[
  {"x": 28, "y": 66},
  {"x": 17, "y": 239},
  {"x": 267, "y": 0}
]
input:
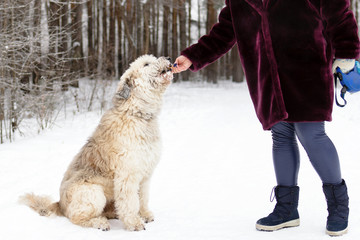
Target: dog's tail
[{"x": 41, "y": 204}]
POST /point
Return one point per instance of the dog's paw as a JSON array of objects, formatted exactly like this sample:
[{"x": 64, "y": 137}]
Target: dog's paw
[
  {"x": 101, "y": 224},
  {"x": 134, "y": 223},
  {"x": 104, "y": 228},
  {"x": 148, "y": 216}
]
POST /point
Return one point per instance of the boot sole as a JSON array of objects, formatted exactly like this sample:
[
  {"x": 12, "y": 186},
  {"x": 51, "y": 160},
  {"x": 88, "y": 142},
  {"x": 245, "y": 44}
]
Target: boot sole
[
  {"x": 292, "y": 223},
  {"x": 338, "y": 233}
]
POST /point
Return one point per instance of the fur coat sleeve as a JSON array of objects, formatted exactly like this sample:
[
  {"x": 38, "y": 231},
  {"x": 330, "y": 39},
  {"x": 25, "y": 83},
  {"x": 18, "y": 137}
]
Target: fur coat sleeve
[{"x": 212, "y": 46}]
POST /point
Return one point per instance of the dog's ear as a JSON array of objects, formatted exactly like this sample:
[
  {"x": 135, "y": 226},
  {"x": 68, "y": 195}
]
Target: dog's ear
[
  {"x": 126, "y": 85},
  {"x": 125, "y": 91}
]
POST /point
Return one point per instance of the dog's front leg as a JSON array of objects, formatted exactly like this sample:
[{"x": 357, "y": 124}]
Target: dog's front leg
[
  {"x": 127, "y": 204},
  {"x": 145, "y": 213}
]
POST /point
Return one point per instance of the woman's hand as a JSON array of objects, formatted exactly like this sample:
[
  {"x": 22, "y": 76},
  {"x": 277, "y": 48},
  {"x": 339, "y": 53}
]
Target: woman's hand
[
  {"x": 345, "y": 65},
  {"x": 182, "y": 64}
]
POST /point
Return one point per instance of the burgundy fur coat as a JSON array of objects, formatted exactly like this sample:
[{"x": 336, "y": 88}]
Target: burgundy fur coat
[{"x": 287, "y": 48}]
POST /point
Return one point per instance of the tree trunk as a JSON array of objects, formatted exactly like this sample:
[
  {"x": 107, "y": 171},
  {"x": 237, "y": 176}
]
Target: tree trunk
[
  {"x": 53, "y": 18},
  {"x": 189, "y": 23},
  {"x": 90, "y": 36},
  {"x": 146, "y": 18},
  {"x": 356, "y": 10},
  {"x": 53, "y": 13},
  {"x": 154, "y": 13},
  {"x": 120, "y": 36},
  {"x": 100, "y": 37},
  {"x": 228, "y": 66},
  {"x": 77, "y": 63},
  {"x": 37, "y": 45},
  {"x": 237, "y": 71},
  {"x": 165, "y": 37},
  {"x": 138, "y": 28},
  {"x": 105, "y": 63},
  {"x": 129, "y": 29},
  {"x": 182, "y": 24},
  {"x": 63, "y": 43},
  {"x": 157, "y": 27},
  {"x": 211, "y": 71},
  {"x": 111, "y": 44},
  {"x": 199, "y": 19},
  {"x": 174, "y": 45}
]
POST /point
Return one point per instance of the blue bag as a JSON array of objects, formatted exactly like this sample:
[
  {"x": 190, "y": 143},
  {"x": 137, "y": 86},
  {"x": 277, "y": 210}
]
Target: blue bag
[{"x": 350, "y": 82}]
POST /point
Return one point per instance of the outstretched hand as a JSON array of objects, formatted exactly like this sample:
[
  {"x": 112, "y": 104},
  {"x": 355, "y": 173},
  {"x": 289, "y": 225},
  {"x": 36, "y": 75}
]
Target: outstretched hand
[{"x": 183, "y": 64}]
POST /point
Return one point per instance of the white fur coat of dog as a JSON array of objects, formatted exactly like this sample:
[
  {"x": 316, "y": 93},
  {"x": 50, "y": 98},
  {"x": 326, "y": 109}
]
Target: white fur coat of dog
[{"x": 109, "y": 177}]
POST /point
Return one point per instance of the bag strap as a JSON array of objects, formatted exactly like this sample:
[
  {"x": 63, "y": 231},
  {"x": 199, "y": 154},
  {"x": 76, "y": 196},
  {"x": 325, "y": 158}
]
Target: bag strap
[{"x": 342, "y": 92}]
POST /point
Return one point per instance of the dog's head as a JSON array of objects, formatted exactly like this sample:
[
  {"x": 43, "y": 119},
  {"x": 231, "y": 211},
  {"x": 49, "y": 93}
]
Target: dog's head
[{"x": 146, "y": 77}]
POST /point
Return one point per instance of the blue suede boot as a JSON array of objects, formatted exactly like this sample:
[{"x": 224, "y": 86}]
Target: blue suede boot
[
  {"x": 285, "y": 213},
  {"x": 338, "y": 207}
]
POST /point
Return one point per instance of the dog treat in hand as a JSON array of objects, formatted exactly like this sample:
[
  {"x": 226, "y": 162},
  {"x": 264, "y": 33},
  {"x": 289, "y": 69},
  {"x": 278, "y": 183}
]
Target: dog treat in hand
[{"x": 174, "y": 66}]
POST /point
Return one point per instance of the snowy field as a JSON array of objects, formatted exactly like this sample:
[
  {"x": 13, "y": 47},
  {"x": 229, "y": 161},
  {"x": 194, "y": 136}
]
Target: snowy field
[{"x": 213, "y": 182}]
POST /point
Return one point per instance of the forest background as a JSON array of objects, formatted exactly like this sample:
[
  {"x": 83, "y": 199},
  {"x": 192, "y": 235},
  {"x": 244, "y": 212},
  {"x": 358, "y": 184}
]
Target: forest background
[{"x": 46, "y": 46}]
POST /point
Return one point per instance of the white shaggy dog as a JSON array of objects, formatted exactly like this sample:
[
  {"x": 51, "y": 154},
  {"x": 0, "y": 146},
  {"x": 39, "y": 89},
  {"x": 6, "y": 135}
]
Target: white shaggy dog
[{"x": 109, "y": 177}]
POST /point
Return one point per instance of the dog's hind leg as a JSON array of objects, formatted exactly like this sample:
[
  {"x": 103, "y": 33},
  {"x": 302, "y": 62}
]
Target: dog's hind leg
[
  {"x": 86, "y": 205},
  {"x": 127, "y": 204}
]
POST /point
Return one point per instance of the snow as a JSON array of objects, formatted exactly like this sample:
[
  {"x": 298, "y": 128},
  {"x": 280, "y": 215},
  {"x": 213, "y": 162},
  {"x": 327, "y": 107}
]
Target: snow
[{"x": 213, "y": 182}]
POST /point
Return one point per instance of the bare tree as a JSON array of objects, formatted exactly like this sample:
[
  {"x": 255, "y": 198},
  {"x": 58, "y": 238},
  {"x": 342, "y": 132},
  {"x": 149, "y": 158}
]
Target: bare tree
[
  {"x": 211, "y": 71},
  {"x": 165, "y": 34},
  {"x": 236, "y": 67},
  {"x": 34, "y": 65},
  {"x": 77, "y": 54}
]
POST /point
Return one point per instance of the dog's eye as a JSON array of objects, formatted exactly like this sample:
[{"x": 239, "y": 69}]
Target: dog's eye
[{"x": 146, "y": 64}]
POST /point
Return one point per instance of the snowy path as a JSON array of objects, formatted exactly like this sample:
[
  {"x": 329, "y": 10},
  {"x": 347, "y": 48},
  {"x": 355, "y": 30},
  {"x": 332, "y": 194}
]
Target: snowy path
[{"x": 213, "y": 182}]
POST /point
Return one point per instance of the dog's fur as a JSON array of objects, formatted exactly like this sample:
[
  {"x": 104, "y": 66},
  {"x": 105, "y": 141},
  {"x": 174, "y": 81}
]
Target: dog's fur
[{"x": 109, "y": 177}]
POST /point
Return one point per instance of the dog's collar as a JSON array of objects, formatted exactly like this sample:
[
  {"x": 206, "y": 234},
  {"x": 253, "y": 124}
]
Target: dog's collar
[{"x": 142, "y": 115}]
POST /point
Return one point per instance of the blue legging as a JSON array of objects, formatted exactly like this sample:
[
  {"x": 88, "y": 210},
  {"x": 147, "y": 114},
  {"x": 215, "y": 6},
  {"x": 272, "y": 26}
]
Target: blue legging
[{"x": 318, "y": 146}]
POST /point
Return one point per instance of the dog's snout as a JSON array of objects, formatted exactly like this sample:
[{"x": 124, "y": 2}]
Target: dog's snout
[{"x": 169, "y": 59}]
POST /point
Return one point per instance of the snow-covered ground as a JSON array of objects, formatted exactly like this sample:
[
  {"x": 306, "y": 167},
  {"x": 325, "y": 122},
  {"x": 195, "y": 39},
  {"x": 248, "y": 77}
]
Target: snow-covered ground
[{"x": 213, "y": 182}]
